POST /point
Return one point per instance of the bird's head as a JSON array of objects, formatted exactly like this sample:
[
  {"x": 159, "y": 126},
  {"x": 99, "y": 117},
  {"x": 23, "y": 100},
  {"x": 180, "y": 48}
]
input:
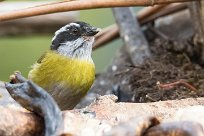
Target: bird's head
[{"x": 75, "y": 40}]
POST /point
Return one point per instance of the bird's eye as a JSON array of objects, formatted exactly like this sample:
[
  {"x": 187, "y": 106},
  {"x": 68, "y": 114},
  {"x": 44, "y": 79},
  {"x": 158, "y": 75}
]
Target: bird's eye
[{"x": 75, "y": 31}]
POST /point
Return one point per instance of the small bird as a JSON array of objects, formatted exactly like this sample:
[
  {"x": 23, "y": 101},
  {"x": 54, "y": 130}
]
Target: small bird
[{"x": 67, "y": 70}]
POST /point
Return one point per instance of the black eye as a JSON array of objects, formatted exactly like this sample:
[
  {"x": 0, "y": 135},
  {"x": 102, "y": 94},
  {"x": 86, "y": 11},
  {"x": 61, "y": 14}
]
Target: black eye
[{"x": 74, "y": 31}]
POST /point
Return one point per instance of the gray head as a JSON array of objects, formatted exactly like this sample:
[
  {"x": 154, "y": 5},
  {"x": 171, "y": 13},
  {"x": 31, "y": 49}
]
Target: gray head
[{"x": 75, "y": 40}]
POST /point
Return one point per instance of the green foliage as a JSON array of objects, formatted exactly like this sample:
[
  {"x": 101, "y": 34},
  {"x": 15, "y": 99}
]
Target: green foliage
[
  {"x": 20, "y": 52},
  {"x": 97, "y": 17}
]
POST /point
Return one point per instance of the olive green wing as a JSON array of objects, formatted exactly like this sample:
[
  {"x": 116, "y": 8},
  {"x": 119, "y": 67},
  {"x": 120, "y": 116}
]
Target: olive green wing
[{"x": 41, "y": 58}]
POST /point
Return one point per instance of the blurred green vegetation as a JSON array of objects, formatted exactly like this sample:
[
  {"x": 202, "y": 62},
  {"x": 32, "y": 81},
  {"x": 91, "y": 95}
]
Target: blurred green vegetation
[{"x": 20, "y": 52}]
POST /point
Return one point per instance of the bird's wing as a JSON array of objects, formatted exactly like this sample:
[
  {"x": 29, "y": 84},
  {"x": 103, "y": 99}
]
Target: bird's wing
[{"x": 41, "y": 58}]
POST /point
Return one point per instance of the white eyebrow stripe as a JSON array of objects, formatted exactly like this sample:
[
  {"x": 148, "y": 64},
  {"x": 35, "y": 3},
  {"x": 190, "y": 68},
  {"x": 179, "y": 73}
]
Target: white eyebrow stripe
[
  {"x": 60, "y": 30},
  {"x": 74, "y": 24},
  {"x": 64, "y": 28}
]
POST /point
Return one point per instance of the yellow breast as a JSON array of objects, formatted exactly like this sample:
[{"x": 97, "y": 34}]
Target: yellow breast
[{"x": 74, "y": 74}]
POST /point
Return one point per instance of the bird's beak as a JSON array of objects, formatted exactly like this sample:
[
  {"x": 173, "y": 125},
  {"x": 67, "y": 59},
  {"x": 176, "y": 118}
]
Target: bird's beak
[{"x": 93, "y": 31}]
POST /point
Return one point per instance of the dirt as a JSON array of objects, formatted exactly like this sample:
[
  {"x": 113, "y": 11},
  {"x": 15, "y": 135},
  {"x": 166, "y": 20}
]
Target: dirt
[
  {"x": 165, "y": 67},
  {"x": 139, "y": 83}
]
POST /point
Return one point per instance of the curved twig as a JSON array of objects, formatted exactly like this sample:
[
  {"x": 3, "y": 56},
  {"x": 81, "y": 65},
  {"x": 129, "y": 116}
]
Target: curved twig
[
  {"x": 111, "y": 33},
  {"x": 80, "y": 5}
]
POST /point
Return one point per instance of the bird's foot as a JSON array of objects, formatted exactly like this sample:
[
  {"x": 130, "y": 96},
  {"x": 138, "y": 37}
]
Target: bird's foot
[{"x": 17, "y": 78}]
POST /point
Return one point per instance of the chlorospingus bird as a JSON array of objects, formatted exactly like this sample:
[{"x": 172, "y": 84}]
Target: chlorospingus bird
[{"x": 67, "y": 70}]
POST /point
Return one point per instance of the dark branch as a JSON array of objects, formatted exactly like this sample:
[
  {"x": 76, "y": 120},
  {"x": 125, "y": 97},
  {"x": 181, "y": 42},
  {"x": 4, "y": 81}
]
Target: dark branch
[{"x": 37, "y": 100}]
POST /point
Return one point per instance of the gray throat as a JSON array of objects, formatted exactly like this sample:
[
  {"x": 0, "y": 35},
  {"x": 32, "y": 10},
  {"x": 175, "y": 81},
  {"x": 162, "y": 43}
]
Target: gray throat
[{"x": 80, "y": 48}]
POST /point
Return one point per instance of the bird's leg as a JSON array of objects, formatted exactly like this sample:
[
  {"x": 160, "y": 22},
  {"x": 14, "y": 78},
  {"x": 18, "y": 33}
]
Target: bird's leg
[
  {"x": 35, "y": 99},
  {"x": 17, "y": 78}
]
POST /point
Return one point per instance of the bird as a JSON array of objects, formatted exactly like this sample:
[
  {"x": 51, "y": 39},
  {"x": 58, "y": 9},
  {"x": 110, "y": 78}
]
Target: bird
[{"x": 66, "y": 70}]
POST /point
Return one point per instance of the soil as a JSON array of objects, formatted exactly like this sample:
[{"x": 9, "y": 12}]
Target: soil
[
  {"x": 169, "y": 63},
  {"x": 139, "y": 83},
  {"x": 165, "y": 67}
]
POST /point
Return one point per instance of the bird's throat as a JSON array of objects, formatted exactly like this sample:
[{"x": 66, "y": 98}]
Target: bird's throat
[{"x": 79, "y": 49}]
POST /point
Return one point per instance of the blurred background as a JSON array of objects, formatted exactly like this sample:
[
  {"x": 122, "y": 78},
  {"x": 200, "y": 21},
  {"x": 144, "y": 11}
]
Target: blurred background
[{"x": 19, "y": 52}]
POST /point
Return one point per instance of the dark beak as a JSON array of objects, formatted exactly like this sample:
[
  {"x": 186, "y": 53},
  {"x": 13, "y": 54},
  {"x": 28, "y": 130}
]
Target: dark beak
[{"x": 93, "y": 31}]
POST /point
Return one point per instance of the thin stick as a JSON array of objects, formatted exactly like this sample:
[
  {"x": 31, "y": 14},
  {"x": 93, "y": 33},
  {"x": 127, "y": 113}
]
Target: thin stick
[
  {"x": 174, "y": 84},
  {"x": 148, "y": 11},
  {"x": 80, "y": 5},
  {"x": 172, "y": 8},
  {"x": 106, "y": 37},
  {"x": 144, "y": 13},
  {"x": 51, "y": 3},
  {"x": 111, "y": 33},
  {"x": 150, "y": 98}
]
